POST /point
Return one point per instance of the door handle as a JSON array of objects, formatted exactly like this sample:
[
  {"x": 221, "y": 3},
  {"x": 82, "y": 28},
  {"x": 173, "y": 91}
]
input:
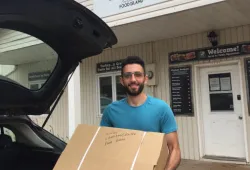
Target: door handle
[
  {"x": 238, "y": 97},
  {"x": 240, "y": 117}
]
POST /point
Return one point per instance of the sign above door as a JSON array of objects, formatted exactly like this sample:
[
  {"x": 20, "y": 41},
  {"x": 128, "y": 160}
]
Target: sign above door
[
  {"x": 210, "y": 53},
  {"x": 111, "y": 66}
]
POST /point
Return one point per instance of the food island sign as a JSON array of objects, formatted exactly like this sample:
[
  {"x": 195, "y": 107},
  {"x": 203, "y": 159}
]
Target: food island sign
[{"x": 105, "y": 8}]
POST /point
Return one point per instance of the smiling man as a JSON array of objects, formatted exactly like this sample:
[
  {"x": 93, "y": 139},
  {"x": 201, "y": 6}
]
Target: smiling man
[{"x": 140, "y": 111}]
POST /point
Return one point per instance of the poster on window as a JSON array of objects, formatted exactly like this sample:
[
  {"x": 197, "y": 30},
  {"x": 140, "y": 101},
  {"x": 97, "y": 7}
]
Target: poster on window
[
  {"x": 214, "y": 84},
  {"x": 225, "y": 83},
  {"x": 220, "y": 82}
]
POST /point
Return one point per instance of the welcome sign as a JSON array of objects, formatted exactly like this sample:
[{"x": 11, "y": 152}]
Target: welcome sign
[
  {"x": 105, "y": 8},
  {"x": 210, "y": 53}
]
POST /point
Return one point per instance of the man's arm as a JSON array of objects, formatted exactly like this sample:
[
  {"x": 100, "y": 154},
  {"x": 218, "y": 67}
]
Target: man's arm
[
  {"x": 169, "y": 127},
  {"x": 174, "y": 158}
]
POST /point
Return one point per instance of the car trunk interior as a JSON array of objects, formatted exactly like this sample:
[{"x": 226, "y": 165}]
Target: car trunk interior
[
  {"x": 21, "y": 148},
  {"x": 25, "y": 158}
]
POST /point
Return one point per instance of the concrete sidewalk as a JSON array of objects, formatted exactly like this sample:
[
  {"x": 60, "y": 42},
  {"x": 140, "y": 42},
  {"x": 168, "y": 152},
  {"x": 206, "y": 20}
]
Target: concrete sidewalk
[{"x": 204, "y": 165}]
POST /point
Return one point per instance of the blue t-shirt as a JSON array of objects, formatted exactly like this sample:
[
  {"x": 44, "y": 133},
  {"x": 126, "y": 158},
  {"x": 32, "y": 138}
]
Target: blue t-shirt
[{"x": 154, "y": 115}]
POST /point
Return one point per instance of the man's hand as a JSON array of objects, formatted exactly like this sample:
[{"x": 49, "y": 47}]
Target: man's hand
[{"x": 174, "y": 158}]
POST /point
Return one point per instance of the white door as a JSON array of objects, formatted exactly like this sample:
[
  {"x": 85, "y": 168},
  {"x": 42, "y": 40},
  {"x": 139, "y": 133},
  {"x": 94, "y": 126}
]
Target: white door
[{"x": 221, "y": 112}]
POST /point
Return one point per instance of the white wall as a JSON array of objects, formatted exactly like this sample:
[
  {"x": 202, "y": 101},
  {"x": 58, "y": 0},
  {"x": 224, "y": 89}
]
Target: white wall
[{"x": 5, "y": 70}]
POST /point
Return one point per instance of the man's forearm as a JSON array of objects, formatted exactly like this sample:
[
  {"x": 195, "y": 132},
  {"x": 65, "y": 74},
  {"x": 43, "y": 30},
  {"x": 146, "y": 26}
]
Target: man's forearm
[{"x": 174, "y": 159}]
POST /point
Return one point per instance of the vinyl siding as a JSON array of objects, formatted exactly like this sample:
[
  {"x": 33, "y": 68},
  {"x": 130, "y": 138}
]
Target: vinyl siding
[
  {"x": 5, "y": 70},
  {"x": 157, "y": 52},
  {"x": 12, "y": 40}
]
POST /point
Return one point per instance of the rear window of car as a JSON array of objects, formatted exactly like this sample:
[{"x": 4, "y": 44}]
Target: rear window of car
[{"x": 9, "y": 133}]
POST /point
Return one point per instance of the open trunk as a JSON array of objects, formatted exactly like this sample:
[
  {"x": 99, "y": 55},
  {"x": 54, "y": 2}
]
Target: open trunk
[{"x": 45, "y": 40}]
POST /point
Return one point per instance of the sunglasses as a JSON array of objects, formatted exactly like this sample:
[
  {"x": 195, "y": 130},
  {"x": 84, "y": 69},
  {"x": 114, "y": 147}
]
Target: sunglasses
[{"x": 137, "y": 74}]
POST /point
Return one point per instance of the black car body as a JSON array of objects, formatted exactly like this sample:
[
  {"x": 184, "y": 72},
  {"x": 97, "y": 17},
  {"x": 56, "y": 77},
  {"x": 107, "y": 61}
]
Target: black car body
[{"x": 75, "y": 33}]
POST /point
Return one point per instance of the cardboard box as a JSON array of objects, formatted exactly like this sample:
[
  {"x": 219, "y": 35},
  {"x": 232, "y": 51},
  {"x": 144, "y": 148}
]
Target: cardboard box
[{"x": 104, "y": 148}]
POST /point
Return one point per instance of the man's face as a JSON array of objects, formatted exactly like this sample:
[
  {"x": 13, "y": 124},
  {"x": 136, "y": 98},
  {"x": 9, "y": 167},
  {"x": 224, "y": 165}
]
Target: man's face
[{"x": 133, "y": 79}]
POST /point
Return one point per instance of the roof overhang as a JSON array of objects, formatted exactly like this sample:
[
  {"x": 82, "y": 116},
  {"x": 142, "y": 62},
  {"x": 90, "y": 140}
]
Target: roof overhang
[
  {"x": 225, "y": 14},
  {"x": 31, "y": 54}
]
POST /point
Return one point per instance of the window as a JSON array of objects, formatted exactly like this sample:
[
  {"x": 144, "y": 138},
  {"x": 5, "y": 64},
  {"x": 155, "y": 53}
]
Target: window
[
  {"x": 221, "y": 94},
  {"x": 8, "y": 132},
  {"x": 35, "y": 85},
  {"x": 109, "y": 90},
  {"x": 120, "y": 92},
  {"x": 37, "y": 79}
]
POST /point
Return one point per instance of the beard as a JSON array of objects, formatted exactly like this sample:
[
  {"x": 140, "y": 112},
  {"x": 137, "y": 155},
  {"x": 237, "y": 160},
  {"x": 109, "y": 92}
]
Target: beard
[{"x": 134, "y": 92}]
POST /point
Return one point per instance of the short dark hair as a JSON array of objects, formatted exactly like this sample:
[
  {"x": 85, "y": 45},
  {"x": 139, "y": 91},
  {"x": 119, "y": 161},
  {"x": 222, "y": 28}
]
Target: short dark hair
[{"x": 133, "y": 60}]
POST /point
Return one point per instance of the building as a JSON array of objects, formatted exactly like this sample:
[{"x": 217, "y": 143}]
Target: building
[
  {"x": 171, "y": 36},
  {"x": 205, "y": 83}
]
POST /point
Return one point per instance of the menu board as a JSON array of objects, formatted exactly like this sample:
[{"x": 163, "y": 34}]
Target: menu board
[{"x": 181, "y": 94}]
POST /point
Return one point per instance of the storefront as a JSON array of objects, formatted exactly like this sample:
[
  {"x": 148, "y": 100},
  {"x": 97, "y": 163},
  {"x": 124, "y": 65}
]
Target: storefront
[
  {"x": 206, "y": 86},
  {"x": 219, "y": 97}
]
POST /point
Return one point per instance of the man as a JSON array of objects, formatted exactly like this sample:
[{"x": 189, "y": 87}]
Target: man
[{"x": 140, "y": 111}]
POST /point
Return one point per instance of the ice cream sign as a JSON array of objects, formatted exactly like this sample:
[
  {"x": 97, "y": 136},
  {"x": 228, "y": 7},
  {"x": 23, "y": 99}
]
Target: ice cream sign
[{"x": 229, "y": 50}]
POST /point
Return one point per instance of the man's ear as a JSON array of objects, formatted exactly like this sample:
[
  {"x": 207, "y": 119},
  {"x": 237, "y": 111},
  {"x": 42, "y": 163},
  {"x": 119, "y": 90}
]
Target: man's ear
[{"x": 146, "y": 79}]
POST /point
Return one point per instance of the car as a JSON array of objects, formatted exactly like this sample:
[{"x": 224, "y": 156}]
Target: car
[
  {"x": 72, "y": 33},
  {"x": 105, "y": 101}
]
